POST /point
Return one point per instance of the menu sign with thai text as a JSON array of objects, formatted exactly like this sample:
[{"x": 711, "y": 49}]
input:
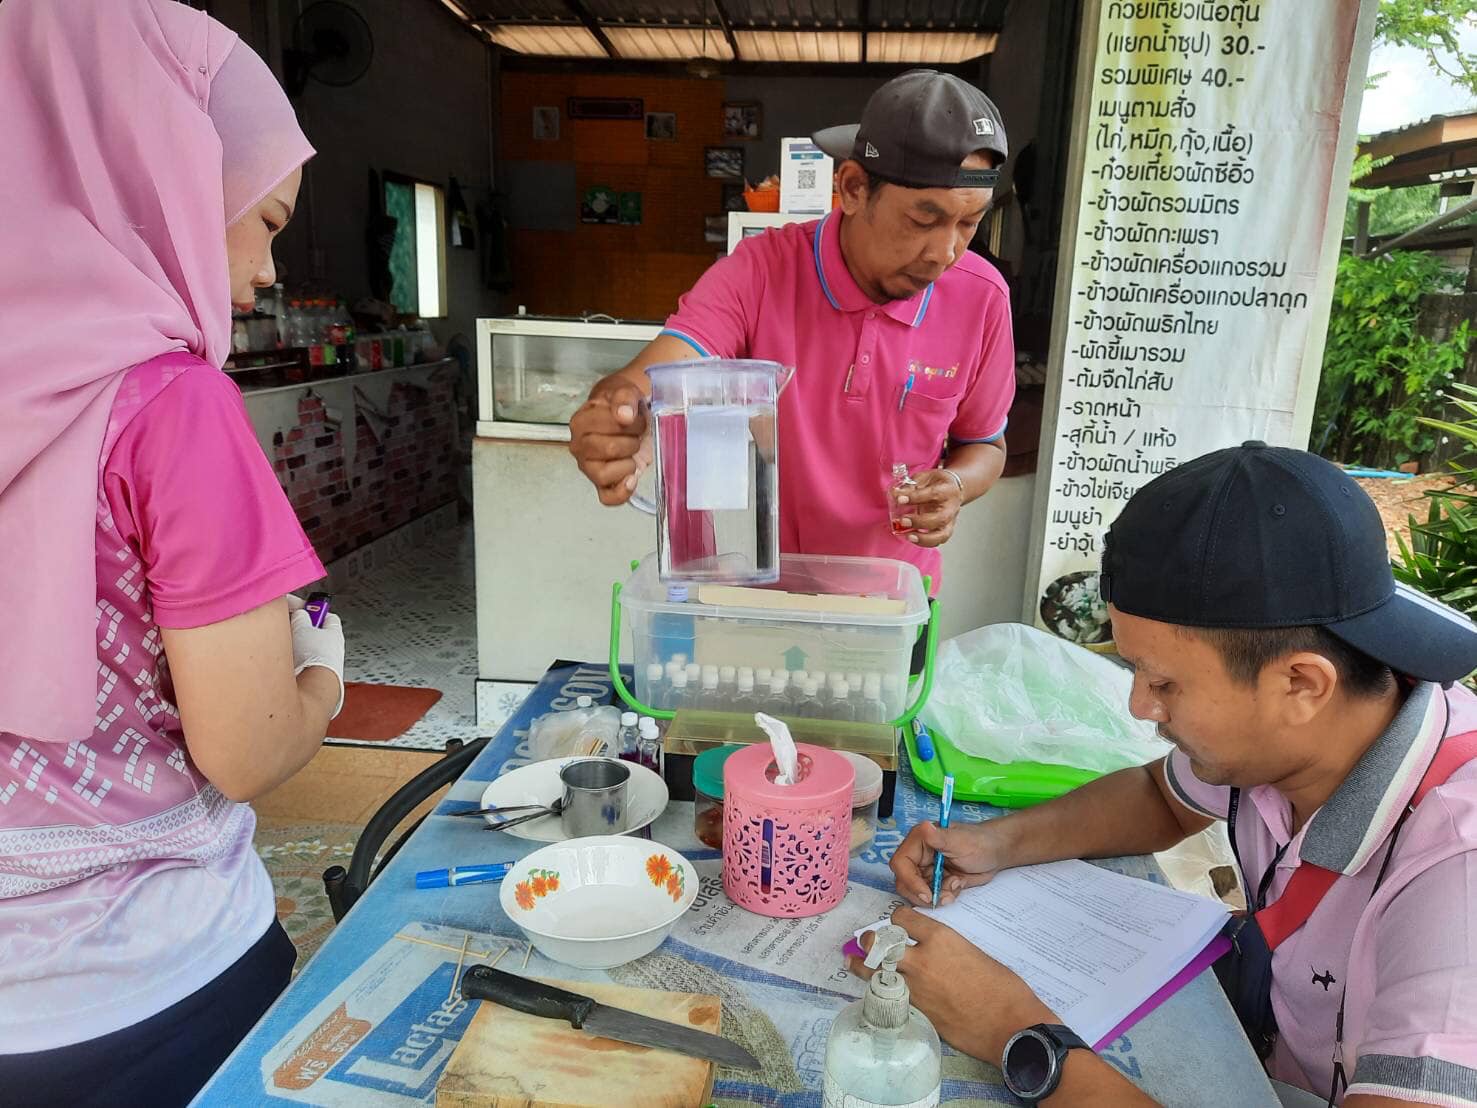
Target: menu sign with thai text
[{"x": 1212, "y": 147}]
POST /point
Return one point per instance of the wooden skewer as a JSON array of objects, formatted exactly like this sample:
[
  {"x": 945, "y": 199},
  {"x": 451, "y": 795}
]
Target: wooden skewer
[
  {"x": 526, "y": 953},
  {"x": 500, "y": 954},
  {"x": 443, "y": 946},
  {"x": 456, "y": 975}
]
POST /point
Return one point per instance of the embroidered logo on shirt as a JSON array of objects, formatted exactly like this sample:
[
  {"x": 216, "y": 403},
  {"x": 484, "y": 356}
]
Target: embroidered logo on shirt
[{"x": 1326, "y": 978}]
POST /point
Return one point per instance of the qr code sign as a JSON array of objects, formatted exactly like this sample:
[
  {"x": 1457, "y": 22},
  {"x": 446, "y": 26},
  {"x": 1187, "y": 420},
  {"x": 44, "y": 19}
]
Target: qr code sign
[{"x": 805, "y": 178}]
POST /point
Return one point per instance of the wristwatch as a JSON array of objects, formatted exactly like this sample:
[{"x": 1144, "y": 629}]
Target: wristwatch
[{"x": 1034, "y": 1058}]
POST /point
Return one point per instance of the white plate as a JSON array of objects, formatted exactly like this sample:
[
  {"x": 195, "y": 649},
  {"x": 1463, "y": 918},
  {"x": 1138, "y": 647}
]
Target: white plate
[{"x": 646, "y": 798}]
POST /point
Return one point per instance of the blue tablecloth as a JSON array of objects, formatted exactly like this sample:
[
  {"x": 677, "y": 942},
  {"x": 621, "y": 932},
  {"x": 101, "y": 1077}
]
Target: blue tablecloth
[{"x": 372, "y": 1019}]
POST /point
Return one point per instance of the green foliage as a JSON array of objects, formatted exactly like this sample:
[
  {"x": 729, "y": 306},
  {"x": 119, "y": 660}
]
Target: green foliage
[
  {"x": 1379, "y": 375},
  {"x": 1431, "y": 26},
  {"x": 1441, "y": 557}
]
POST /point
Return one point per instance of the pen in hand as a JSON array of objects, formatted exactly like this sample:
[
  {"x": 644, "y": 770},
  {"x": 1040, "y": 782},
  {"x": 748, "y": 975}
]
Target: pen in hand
[{"x": 946, "y": 802}]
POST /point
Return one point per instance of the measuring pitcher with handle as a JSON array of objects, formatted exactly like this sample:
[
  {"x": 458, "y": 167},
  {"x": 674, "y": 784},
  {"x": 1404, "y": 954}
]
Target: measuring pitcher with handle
[{"x": 715, "y": 448}]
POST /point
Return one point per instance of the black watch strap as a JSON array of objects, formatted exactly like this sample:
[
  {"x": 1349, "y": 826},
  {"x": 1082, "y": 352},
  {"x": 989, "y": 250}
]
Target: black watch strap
[{"x": 1034, "y": 1058}]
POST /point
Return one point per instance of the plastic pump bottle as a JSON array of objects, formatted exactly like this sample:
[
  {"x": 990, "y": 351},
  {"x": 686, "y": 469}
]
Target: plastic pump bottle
[{"x": 883, "y": 1052}]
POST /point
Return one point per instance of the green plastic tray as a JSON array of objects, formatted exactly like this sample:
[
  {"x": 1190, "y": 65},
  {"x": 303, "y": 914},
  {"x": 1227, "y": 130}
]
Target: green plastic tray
[{"x": 1003, "y": 784}]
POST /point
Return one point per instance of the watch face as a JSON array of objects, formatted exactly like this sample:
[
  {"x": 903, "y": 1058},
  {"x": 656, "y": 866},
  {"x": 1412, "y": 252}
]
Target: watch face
[{"x": 1030, "y": 1064}]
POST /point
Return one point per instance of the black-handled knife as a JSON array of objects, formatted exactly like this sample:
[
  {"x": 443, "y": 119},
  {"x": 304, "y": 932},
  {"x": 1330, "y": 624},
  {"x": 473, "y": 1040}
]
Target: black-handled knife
[{"x": 534, "y": 998}]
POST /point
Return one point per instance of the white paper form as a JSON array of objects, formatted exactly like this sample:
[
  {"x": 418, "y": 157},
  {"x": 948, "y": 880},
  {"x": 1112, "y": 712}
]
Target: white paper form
[{"x": 1092, "y": 944}]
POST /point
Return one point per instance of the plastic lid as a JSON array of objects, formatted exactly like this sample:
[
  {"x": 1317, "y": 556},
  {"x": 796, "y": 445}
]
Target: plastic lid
[
  {"x": 677, "y": 594},
  {"x": 709, "y": 669},
  {"x": 648, "y": 728},
  {"x": 679, "y": 679},
  {"x": 746, "y": 671},
  {"x": 583, "y": 702},
  {"x": 811, "y": 688},
  {"x": 778, "y": 682},
  {"x": 710, "y": 678},
  {"x": 800, "y": 677},
  {"x": 654, "y": 671},
  {"x": 819, "y": 675},
  {"x": 854, "y": 679},
  {"x": 842, "y": 689},
  {"x": 694, "y": 672},
  {"x": 868, "y": 785},
  {"x": 764, "y": 673},
  {"x": 727, "y": 673},
  {"x": 680, "y": 659},
  {"x": 707, "y": 770},
  {"x": 628, "y": 719},
  {"x": 746, "y": 682}
]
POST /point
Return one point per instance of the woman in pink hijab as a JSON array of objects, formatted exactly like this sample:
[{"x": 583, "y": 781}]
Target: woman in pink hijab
[{"x": 152, "y": 676}]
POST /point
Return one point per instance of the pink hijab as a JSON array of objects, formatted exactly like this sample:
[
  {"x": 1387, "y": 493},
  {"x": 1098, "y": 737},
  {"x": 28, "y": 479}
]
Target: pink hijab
[{"x": 133, "y": 132}]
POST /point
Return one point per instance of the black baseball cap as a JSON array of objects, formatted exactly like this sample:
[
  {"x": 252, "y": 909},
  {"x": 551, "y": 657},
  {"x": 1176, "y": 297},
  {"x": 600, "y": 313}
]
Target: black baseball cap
[
  {"x": 1263, "y": 536},
  {"x": 918, "y": 128}
]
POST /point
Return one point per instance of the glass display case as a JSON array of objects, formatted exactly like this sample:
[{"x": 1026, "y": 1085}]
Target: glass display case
[{"x": 537, "y": 370}]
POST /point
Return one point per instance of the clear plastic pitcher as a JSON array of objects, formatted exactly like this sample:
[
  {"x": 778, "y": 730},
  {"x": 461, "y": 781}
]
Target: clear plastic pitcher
[{"x": 716, "y": 455}]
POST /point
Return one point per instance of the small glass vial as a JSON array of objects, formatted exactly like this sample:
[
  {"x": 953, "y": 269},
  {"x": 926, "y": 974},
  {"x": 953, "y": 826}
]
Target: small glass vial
[
  {"x": 841, "y": 706},
  {"x": 871, "y": 709},
  {"x": 708, "y": 697},
  {"x": 649, "y": 748},
  {"x": 902, "y": 485},
  {"x": 681, "y": 697},
  {"x": 727, "y": 685},
  {"x": 744, "y": 700},
  {"x": 656, "y": 693},
  {"x": 777, "y": 703},
  {"x": 629, "y": 738}
]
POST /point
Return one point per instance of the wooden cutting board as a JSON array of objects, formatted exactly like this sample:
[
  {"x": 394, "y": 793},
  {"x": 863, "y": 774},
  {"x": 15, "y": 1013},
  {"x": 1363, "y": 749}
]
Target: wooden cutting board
[{"x": 510, "y": 1060}]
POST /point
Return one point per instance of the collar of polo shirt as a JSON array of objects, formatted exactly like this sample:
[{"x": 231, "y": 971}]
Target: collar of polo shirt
[{"x": 841, "y": 288}]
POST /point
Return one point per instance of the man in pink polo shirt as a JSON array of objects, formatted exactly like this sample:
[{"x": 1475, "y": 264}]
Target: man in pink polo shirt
[
  {"x": 1311, "y": 703},
  {"x": 900, "y": 337}
]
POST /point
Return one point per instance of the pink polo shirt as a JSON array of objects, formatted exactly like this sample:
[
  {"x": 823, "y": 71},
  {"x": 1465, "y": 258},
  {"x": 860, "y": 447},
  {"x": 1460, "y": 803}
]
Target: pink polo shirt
[
  {"x": 787, "y": 296},
  {"x": 1408, "y": 956}
]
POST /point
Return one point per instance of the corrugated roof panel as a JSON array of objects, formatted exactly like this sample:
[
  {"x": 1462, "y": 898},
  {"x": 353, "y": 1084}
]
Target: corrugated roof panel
[
  {"x": 935, "y": 47},
  {"x": 547, "y": 41},
  {"x": 800, "y": 46},
  {"x": 668, "y": 43}
]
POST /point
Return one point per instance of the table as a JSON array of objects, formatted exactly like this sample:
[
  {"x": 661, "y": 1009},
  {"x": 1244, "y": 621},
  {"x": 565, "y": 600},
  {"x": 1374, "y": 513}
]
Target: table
[{"x": 372, "y": 1019}]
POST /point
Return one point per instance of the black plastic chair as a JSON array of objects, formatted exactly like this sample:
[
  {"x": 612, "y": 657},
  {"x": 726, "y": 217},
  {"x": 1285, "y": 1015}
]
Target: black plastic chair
[{"x": 345, "y": 886}]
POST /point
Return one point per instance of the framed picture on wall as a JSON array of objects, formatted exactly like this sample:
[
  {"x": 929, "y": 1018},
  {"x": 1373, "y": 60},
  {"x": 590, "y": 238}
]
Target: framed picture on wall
[
  {"x": 661, "y": 126},
  {"x": 724, "y": 161},
  {"x": 715, "y": 228},
  {"x": 733, "y": 198},
  {"x": 743, "y": 119},
  {"x": 546, "y": 124}
]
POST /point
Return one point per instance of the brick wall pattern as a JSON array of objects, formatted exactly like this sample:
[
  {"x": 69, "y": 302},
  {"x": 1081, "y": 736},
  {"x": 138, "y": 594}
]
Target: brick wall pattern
[{"x": 403, "y": 467}]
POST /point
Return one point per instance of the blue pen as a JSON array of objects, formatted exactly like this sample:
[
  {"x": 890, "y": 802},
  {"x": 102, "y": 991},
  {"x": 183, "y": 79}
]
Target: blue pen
[
  {"x": 923, "y": 740},
  {"x": 461, "y": 875},
  {"x": 907, "y": 388},
  {"x": 938, "y": 859}
]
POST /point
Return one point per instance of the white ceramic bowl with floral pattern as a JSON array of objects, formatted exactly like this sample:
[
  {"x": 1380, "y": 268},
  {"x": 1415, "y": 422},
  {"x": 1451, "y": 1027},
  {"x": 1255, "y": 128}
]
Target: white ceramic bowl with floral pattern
[{"x": 601, "y": 901}]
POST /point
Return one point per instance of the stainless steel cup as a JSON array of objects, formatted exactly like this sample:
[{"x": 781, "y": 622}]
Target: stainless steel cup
[{"x": 594, "y": 797}]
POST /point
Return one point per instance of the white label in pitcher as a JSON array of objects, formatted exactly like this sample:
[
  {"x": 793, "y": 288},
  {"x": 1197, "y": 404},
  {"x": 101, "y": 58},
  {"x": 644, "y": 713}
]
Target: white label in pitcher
[
  {"x": 832, "y": 1096},
  {"x": 718, "y": 459}
]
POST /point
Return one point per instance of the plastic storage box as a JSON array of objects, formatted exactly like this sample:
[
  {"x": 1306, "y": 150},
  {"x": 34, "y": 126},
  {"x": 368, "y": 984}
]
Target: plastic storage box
[{"x": 855, "y": 620}]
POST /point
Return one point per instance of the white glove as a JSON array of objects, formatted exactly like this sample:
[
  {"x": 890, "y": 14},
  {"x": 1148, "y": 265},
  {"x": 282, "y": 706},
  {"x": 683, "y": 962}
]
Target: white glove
[{"x": 319, "y": 646}]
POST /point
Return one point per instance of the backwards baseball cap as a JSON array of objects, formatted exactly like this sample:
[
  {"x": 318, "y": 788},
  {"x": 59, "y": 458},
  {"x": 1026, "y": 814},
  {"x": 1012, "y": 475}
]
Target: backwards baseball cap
[
  {"x": 1262, "y": 536},
  {"x": 918, "y": 128}
]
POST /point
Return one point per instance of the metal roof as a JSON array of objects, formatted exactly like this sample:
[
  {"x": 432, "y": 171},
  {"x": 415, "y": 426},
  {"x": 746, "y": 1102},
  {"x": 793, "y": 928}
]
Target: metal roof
[
  {"x": 1421, "y": 152},
  {"x": 977, "y": 20}
]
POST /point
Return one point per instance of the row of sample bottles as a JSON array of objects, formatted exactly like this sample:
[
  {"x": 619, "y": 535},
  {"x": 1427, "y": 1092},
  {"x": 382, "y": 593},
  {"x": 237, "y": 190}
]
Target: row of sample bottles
[{"x": 799, "y": 694}]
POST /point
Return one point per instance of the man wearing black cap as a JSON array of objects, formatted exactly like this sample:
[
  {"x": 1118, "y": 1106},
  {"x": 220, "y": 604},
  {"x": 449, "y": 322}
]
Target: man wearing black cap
[
  {"x": 1311, "y": 703},
  {"x": 900, "y": 338}
]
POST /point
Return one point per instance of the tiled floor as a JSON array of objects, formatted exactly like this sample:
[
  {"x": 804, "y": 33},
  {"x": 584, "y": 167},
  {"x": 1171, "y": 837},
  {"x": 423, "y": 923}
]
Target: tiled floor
[{"x": 411, "y": 619}]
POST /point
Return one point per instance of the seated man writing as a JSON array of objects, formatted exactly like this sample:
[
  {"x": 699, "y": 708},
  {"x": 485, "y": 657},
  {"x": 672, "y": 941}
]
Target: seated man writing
[{"x": 1310, "y": 703}]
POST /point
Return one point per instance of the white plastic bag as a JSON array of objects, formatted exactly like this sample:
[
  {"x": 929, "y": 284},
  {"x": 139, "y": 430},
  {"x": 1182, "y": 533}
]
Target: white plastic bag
[
  {"x": 1011, "y": 693},
  {"x": 590, "y": 731}
]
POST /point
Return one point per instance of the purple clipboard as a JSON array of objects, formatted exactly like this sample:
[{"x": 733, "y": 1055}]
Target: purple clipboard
[{"x": 1196, "y": 966}]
